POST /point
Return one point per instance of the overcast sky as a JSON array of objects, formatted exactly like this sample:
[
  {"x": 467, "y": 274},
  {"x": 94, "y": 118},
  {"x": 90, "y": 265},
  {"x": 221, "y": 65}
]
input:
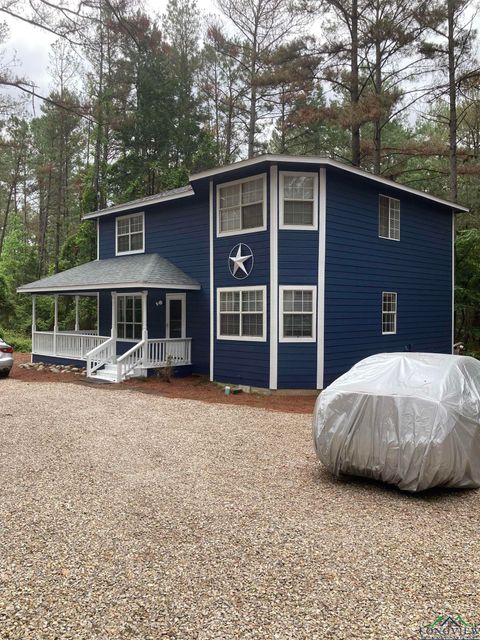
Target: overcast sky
[{"x": 30, "y": 46}]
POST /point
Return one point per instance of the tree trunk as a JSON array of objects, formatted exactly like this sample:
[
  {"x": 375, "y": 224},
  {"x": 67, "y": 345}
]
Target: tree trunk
[
  {"x": 12, "y": 194},
  {"x": 354, "y": 88},
  {"x": 377, "y": 133},
  {"x": 252, "y": 122},
  {"x": 452, "y": 99},
  {"x": 99, "y": 132}
]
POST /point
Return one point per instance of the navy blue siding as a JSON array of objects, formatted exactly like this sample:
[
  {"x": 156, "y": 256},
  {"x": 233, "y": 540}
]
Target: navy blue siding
[
  {"x": 241, "y": 361},
  {"x": 297, "y": 265},
  {"x": 360, "y": 266},
  {"x": 177, "y": 230},
  {"x": 54, "y": 360}
]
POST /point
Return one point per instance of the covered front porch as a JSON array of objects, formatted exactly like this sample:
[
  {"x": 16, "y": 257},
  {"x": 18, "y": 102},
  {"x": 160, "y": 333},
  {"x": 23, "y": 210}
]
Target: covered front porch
[
  {"x": 108, "y": 351},
  {"x": 124, "y": 340}
]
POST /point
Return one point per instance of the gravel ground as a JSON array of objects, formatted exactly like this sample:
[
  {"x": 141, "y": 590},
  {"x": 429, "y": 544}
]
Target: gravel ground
[{"x": 132, "y": 516}]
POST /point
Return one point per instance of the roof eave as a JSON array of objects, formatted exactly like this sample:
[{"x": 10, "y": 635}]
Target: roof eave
[
  {"x": 136, "y": 204},
  {"x": 326, "y": 162},
  {"x": 113, "y": 285}
]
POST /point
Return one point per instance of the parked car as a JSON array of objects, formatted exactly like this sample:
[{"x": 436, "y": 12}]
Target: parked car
[
  {"x": 410, "y": 419},
  {"x": 6, "y": 358}
]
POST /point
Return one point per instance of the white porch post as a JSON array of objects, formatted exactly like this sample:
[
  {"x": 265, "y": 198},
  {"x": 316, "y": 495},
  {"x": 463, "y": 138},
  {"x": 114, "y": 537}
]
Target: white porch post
[
  {"x": 77, "y": 317},
  {"x": 34, "y": 322},
  {"x": 144, "y": 315},
  {"x": 144, "y": 327},
  {"x": 55, "y": 325},
  {"x": 113, "y": 332}
]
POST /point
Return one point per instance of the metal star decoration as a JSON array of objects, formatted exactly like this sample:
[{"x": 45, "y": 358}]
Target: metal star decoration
[{"x": 238, "y": 261}]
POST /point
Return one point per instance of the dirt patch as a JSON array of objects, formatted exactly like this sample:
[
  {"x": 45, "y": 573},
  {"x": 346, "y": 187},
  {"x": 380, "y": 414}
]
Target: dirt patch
[{"x": 189, "y": 388}]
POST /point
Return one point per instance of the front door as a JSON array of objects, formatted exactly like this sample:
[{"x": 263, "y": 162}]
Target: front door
[{"x": 175, "y": 315}]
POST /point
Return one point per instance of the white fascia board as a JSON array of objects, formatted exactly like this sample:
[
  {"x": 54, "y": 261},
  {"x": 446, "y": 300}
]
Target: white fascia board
[
  {"x": 126, "y": 206},
  {"x": 113, "y": 285},
  {"x": 329, "y": 163}
]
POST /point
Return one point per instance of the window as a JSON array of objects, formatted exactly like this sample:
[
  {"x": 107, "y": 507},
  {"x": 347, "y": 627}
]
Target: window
[
  {"x": 130, "y": 234},
  {"x": 389, "y": 312},
  {"x": 241, "y": 206},
  {"x": 129, "y": 317},
  {"x": 297, "y": 314},
  {"x": 389, "y": 218},
  {"x": 241, "y": 313},
  {"x": 299, "y": 200}
]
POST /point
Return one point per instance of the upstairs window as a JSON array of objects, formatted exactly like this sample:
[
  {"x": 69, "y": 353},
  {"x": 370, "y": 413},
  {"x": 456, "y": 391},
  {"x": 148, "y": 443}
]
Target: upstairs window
[
  {"x": 130, "y": 234},
  {"x": 298, "y": 200},
  {"x": 241, "y": 206},
  {"x": 389, "y": 218},
  {"x": 389, "y": 312},
  {"x": 297, "y": 314},
  {"x": 241, "y": 313}
]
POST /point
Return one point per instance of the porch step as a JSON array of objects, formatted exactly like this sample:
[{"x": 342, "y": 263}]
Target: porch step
[
  {"x": 110, "y": 368},
  {"x": 107, "y": 376},
  {"x": 108, "y": 373}
]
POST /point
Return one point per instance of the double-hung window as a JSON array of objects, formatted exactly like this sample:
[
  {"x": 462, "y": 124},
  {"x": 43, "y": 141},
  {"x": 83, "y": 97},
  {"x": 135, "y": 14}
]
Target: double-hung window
[
  {"x": 298, "y": 200},
  {"x": 241, "y": 313},
  {"x": 241, "y": 206},
  {"x": 297, "y": 314},
  {"x": 130, "y": 234},
  {"x": 388, "y": 218},
  {"x": 389, "y": 312},
  {"x": 129, "y": 317}
]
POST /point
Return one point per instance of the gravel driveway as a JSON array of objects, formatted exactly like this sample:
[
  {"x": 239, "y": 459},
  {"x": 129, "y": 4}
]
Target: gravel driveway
[{"x": 132, "y": 516}]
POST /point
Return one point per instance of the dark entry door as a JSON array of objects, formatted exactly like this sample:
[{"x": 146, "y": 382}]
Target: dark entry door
[{"x": 175, "y": 320}]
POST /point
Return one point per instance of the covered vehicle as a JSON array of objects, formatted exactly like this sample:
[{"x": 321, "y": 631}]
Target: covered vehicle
[
  {"x": 410, "y": 419},
  {"x": 6, "y": 358}
]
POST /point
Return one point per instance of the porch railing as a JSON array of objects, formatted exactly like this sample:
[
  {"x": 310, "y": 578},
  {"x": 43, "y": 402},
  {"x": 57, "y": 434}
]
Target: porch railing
[
  {"x": 84, "y": 332},
  {"x": 65, "y": 345},
  {"x": 130, "y": 360},
  {"x": 100, "y": 350},
  {"x": 168, "y": 352},
  {"x": 102, "y": 354}
]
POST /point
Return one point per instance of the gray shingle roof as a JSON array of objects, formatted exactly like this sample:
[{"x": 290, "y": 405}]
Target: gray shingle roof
[
  {"x": 147, "y": 270},
  {"x": 171, "y": 194}
]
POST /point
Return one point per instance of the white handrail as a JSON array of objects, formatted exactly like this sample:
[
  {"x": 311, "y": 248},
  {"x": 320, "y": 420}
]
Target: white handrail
[
  {"x": 65, "y": 344},
  {"x": 99, "y": 356},
  {"x": 131, "y": 359},
  {"x": 163, "y": 352}
]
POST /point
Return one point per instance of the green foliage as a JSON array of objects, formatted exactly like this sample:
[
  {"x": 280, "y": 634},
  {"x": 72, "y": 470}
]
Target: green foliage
[
  {"x": 467, "y": 289},
  {"x": 19, "y": 342},
  {"x": 7, "y": 307},
  {"x": 80, "y": 247},
  {"x": 17, "y": 266}
]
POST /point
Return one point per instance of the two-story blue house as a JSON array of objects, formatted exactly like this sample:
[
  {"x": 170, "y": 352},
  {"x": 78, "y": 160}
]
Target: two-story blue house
[{"x": 276, "y": 272}]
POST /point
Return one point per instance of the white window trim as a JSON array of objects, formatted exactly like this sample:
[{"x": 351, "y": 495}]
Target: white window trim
[
  {"x": 311, "y": 288},
  {"x": 390, "y": 333},
  {"x": 130, "y": 294},
  {"x": 299, "y": 227},
  {"x": 222, "y": 234},
  {"x": 390, "y": 198},
  {"x": 130, "y": 215},
  {"x": 263, "y": 337}
]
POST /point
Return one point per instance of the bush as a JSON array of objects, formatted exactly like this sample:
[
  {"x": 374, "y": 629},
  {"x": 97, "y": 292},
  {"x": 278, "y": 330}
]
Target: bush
[{"x": 19, "y": 342}]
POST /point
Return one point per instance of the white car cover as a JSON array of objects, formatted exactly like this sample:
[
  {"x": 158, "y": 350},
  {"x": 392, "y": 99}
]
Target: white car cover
[{"x": 410, "y": 419}]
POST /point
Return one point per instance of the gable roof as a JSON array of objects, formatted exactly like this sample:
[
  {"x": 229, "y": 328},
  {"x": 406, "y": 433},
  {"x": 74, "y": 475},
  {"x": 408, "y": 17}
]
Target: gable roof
[
  {"x": 276, "y": 159},
  {"x": 143, "y": 270},
  {"x": 182, "y": 192},
  {"x": 163, "y": 196}
]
